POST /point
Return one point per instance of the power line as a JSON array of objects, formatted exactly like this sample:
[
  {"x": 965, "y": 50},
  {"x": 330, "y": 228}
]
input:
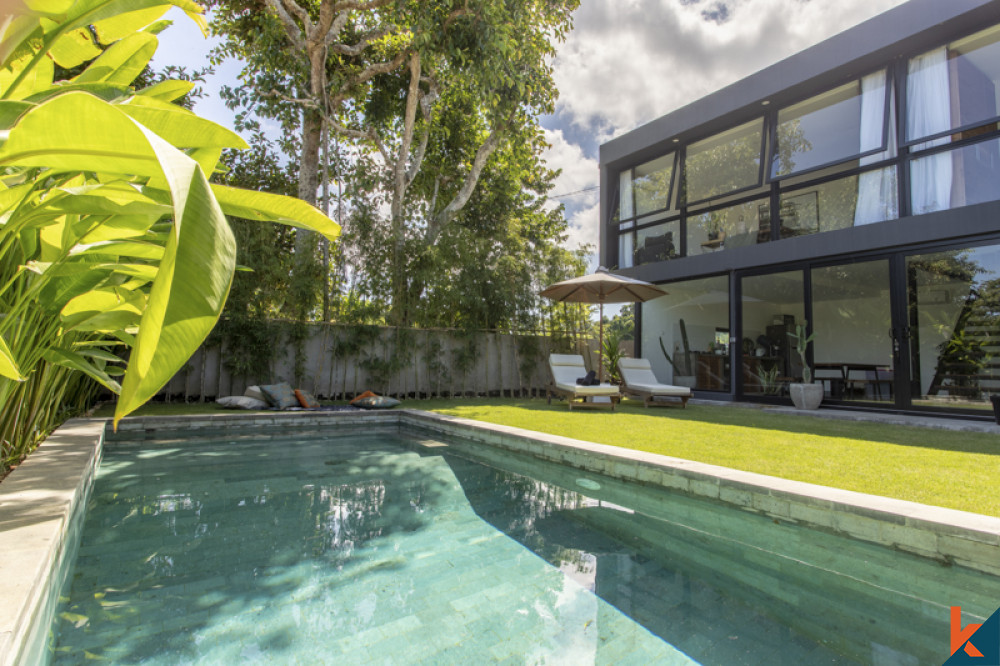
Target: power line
[{"x": 569, "y": 194}]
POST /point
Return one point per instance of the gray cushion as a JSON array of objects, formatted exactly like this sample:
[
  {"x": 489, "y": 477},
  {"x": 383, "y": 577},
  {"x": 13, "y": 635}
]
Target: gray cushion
[
  {"x": 255, "y": 392},
  {"x": 241, "y": 402}
]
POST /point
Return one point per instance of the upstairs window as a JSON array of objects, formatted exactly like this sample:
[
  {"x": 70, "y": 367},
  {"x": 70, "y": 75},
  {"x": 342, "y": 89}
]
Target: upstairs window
[
  {"x": 953, "y": 89},
  {"x": 652, "y": 183},
  {"x": 952, "y": 95},
  {"x": 846, "y": 123},
  {"x": 725, "y": 163}
]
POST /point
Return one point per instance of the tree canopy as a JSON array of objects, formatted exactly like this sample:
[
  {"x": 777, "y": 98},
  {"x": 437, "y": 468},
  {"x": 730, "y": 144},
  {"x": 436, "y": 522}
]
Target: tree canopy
[{"x": 433, "y": 108}]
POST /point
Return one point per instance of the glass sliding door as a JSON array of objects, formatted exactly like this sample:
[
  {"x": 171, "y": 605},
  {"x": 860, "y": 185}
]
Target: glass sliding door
[
  {"x": 685, "y": 334},
  {"x": 954, "y": 327},
  {"x": 852, "y": 350},
  {"x": 772, "y": 306}
]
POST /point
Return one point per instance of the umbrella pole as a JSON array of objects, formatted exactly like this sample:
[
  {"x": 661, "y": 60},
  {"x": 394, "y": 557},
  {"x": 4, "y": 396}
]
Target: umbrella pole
[{"x": 600, "y": 350}]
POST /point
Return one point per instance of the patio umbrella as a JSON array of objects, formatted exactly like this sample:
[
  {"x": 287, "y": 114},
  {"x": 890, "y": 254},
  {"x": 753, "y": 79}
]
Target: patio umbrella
[{"x": 602, "y": 287}]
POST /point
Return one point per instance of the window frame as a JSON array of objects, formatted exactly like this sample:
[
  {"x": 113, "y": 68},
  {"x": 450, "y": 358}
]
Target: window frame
[
  {"x": 890, "y": 82},
  {"x": 761, "y": 171},
  {"x": 906, "y": 141}
]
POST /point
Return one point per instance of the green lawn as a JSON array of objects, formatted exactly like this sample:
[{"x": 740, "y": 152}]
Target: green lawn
[{"x": 952, "y": 469}]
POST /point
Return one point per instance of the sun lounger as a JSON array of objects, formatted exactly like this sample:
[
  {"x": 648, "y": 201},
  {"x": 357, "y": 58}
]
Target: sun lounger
[
  {"x": 565, "y": 370},
  {"x": 638, "y": 380}
]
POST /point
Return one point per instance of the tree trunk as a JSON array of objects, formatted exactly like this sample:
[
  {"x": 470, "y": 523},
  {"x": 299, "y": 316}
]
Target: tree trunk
[{"x": 303, "y": 274}]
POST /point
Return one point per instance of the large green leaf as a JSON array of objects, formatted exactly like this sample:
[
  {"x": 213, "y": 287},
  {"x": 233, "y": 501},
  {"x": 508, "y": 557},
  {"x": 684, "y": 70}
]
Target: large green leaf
[
  {"x": 20, "y": 31},
  {"x": 191, "y": 286},
  {"x": 181, "y": 127},
  {"x": 85, "y": 13},
  {"x": 18, "y": 85},
  {"x": 8, "y": 366},
  {"x": 168, "y": 90},
  {"x": 133, "y": 249},
  {"x": 105, "y": 309},
  {"x": 62, "y": 289},
  {"x": 273, "y": 207},
  {"x": 122, "y": 61},
  {"x": 73, "y": 48},
  {"x": 78, "y": 132},
  {"x": 73, "y": 361},
  {"x": 107, "y": 91},
  {"x": 10, "y": 111}
]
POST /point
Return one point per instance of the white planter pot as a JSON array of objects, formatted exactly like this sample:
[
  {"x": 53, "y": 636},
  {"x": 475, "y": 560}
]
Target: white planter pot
[
  {"x": 806, "y": 396},
  {"x": 685, "y": 380}
]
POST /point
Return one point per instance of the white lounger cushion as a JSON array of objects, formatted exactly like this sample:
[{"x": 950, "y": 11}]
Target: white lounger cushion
[
  {"x": 567, "y": 368},
  {"x": 638, "y": 376}
]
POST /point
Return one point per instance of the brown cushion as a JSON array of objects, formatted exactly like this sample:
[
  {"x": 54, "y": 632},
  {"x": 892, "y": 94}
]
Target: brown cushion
[
  {"x": 306, "y": 399},
  {"x": 366, "y": 394}
]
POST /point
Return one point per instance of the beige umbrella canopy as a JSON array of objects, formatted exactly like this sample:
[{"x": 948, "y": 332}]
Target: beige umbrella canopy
[{"x": 602, "y": 287}]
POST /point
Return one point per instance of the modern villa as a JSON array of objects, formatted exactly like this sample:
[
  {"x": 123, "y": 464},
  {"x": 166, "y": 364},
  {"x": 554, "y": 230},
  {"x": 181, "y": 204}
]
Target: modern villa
[{"x": 853, "y": 187}]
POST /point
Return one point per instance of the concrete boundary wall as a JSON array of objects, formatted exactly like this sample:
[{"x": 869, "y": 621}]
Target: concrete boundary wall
[
  {"x": 40, "y": 499},
  {"x": 412, "y": 362}
]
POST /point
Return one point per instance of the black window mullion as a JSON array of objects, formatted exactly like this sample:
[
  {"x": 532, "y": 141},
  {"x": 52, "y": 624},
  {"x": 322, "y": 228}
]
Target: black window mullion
[
  {"x": 682, "y": 198},
  {"x": 774, "y": 195},
  {"x": 903, "y": 151}
]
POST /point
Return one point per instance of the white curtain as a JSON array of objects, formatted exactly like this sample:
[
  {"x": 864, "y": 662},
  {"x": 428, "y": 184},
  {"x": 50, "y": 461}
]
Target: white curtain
[
  {"x": 878, "y": 198},
  {"x": 928, "y": 110},
  {"x": 625, "y": 192},
  {"x": 626, "y": 250}
]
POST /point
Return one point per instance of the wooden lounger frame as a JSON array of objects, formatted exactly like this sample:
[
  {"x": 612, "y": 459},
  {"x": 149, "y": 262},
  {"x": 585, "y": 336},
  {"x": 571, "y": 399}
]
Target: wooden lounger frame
[
  {"x": 650, "y": 397},
  {"x": 570, "y": 396}
]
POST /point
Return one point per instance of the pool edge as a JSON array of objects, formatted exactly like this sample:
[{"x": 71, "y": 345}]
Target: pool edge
[
  {"x": 38, "y": 502},
  {"x": 949, "y": 536}
]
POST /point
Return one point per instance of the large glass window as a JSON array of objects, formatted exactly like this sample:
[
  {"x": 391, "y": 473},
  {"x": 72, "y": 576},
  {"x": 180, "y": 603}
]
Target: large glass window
[
  {"x": 652, "y": 184},
  {"x": 772, "y": 306},
  {"x": 954, "y": 326},
  {"x": 954, "y": 178},
  {"x": 838, "y": 204},
  {"x": 954, "y": 87},
  {"x": 729, "y": 227},
  {"x": 657, "y": 242},
  {"x": 685, "y": 334},
  {"x": 851, "y": 316},
  {"x": 724, "y": 163},
  {"x": 835, "y": 126}
]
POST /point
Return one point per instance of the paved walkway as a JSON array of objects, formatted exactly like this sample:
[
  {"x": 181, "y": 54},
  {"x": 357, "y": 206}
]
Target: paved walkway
[{"x": 939, "y": 423}]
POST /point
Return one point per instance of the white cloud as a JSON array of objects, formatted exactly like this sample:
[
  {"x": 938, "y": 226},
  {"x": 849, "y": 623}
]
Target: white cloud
[
  {"x": 627, "y": 62},
  {"x": 578, "y": 172}
]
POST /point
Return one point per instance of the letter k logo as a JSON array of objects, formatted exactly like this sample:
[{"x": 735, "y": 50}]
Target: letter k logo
[
  {"x": 976, "y": 644},
  {"x": 960, "y": 636}
]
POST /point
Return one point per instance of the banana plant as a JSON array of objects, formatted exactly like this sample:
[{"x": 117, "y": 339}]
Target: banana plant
[{"x": 114, "y": 245}]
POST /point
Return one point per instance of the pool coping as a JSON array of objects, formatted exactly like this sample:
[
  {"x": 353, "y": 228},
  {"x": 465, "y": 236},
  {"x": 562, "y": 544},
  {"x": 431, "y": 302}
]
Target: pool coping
[{"x": 39, "y": 499}]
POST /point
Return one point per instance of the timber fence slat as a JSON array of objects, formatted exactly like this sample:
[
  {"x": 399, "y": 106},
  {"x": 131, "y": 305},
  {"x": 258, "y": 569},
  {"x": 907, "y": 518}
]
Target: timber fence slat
[{"x": 429, "y": 363}]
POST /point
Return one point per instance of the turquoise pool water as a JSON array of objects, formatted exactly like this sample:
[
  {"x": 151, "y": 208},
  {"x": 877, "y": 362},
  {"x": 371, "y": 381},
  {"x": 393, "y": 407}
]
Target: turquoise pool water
[{"x": 298, "y": 547}]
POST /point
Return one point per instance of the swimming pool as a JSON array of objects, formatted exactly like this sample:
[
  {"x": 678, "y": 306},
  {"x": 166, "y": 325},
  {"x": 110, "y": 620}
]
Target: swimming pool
[{"x": 292, "y": 546}]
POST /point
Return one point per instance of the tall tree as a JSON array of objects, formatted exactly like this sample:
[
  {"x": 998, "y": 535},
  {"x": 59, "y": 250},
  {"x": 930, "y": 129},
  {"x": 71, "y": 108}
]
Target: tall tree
[{"x": 397, "y": 77}]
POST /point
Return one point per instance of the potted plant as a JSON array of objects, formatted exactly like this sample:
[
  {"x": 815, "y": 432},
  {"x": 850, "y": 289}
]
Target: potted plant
[{"x": 805, "y": 394}]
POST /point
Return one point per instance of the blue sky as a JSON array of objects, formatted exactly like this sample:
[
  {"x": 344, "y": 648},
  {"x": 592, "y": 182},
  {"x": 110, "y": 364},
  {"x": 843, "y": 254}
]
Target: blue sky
[{"x": 625, "y": 63}]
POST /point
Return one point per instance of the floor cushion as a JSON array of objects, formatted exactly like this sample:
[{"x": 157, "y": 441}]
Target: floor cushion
[
  {"x": 375, "y": 402},
  {"x": 281, "y": 396},
  {"x": 306, "y": 399},
  {"x": 366, "y": 394},
  {"x": 255, "y": 392},
  {"x": 241, "y": 402}
]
